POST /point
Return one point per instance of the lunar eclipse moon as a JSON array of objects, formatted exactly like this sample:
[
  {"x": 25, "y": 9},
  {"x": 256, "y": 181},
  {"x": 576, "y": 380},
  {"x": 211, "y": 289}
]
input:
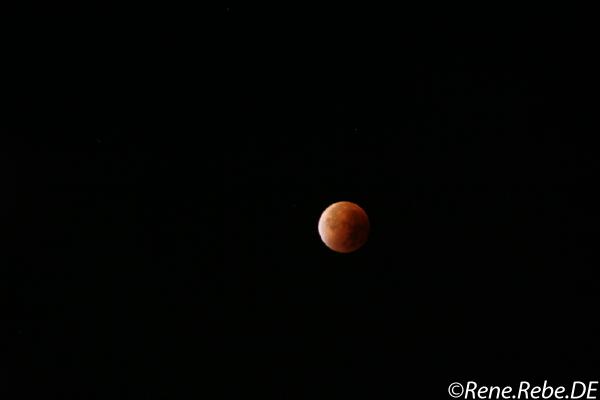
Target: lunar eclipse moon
[{"x": 344, "y": 227}]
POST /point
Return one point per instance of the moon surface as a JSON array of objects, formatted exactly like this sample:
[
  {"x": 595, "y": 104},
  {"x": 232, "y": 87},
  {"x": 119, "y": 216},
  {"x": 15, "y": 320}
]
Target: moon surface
[{"x": 344, "y": 227}]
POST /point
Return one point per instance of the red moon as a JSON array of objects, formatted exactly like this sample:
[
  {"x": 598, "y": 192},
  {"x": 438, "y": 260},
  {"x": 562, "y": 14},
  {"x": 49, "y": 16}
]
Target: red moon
[{"x": 344, "y": 227}]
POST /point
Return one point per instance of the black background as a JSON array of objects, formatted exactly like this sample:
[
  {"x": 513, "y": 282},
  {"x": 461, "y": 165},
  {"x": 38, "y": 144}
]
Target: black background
[{"x": 466, "y": 136}]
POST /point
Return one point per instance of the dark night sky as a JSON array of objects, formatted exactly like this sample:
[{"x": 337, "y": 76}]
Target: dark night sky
[{"x": 468, "y": 142}]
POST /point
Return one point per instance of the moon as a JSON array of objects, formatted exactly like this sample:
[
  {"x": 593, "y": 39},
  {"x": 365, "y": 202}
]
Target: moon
[{"x": 344, "y": 227}]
